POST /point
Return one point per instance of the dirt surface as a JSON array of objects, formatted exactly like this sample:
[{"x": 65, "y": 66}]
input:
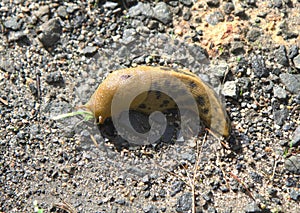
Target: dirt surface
[{"x": 54, "y": 54}]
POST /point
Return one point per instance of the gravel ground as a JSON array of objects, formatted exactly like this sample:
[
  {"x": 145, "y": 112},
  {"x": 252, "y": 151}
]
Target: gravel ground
[{"x": 53, "y": 54}]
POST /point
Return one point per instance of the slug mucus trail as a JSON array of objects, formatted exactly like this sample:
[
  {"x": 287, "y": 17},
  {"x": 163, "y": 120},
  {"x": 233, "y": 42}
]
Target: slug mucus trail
[{"x": 210, "y": 108}]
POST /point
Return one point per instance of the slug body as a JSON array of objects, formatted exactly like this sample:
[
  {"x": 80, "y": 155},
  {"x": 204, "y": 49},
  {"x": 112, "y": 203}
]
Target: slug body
[{"x": 210, "y": 109}]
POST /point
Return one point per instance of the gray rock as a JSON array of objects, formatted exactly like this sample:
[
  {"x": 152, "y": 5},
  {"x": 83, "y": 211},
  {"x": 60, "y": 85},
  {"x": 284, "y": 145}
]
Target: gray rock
[
  {"x": 252, "y": 208},
  {"x": 228, "y": 7},
  {"x": 62, "y": 11},
  {"x": 220, "y": 69},
  {"x": 13, "y": 23},
  {"x": 89, "y": 50},
  {"x": 15, "y": 36},
  {"x": 176, "y": 187},
  {"x": 237, "y": 48},
  {"x": 293, "y": 51},
  {"x": 184, "y": 203},
  {"x": 51, "y": 32},
  {"x": 240, "y": 11},
  {"x": 55, "y": 78},
  {"x": 277, "y": 3},
  {"x": 230, "y": 89},
  {"x": 72, "y": 7},
  {"x": 259, "y": 67},
  {"x": 296, "y": 61},
  {"x": 215, "y": 18},
  {"x": 293, "y": 164},
  {"x": 141, "y": 9},
  {"x": 187, "y": 2},
  {"x": 43, "y": 13},
  {"x": 280, "y": 116},
  {"x": 296, "y": 138},
  {"x": 280, "y": 55},
  {"x": 253, "y": 35},
  {"x": 213, "y": 3},
  {"x": 295, "y": 195},
  {"x": 150, "y": 209},
  {"x": 291, "y": 82},
  {"x": 110, "y": 5},
  {"x": 162, "y": 13},
  {"x": 279, "y": 92}
]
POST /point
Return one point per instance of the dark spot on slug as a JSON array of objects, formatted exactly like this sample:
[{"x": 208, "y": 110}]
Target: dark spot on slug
[
  {"x": 142, "y": 106},
  {"x": 193, "y": 84},
  {"x": 200, "y": 101},
  {"x": 124, "y": 77},
  {"x": 158, "y": 94},
  {"x": 166, "y": 102},
  {"x": 205, "y": 111}
]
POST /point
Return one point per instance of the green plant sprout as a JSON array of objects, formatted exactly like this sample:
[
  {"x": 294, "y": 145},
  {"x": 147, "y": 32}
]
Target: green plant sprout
[
  {"x": 36, "y": 207},
  {"x": 87, "y": 115},
  {"x": 241, "y": 92}
]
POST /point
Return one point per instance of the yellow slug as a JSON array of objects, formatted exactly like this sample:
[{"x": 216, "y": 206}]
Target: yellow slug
[{"x": 210, "y": 109}]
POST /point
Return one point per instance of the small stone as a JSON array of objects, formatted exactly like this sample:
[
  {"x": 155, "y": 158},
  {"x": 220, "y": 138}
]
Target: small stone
[
  {"x": 239, "y": 11},
  {"x": 213, "y": 3},
  {"x": 280, "y": 116},
  {"x": 293, "y": 51},
  {"x": 228, "y": 7},
  {"x": 296, "y": 138},
  {"x": 295, "y": 195},
  {"x": 280, "y": 55},
  {"x": 256, "y": 177},
  {"x": 13, "y": 23},
  {"x": 252, "y": 208},
  {"x": 251, "y": 2},
  {"x": 72, "y": 7},
  {"x": 176, "y": 187},
  {"x": 162, "y": 13},
  {"x": 224, "y": 189},
  {"x": 187, "y": 15},
  {"x": 296, "y": 61},
  {"x": 62, "y": 11},
  {"x": 51, "y": 32},
  {"x": 279, "y": 92},
  {"x": 291, "y": 82},
  {"x": 253, "y": 35},
  {"x": 277, "y": 3},
  {"x": 237, "y": 48},
  {"x": 187, "y": 3},
  {"x": 110, "y": 5},
  {"x": 272, "y": 192},
  {"x": 230, "y": 89},
  {"x": 43, "y": 12},
  {"x": 262, "y": 14},
  {"x": 184, "y": 203},
  {"x": 220, "y": 69},
  {"x": 150, "y": 209},
  {"x": 259, "y": 67},
  {"x": 89, "y": 51},
  {"x": 215, "y": 18},
  {"x": 55, "y": 78},
  {"x": 293, "y": 164},
  {"x": 15, "y": 36}
]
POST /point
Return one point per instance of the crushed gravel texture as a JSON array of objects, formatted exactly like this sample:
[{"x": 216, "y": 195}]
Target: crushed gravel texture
[{"x": 54, "y": 54}]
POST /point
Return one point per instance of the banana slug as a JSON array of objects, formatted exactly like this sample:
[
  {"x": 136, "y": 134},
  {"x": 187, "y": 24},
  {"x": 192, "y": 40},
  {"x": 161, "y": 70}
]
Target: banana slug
[{"x": 210, "y": 109}]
